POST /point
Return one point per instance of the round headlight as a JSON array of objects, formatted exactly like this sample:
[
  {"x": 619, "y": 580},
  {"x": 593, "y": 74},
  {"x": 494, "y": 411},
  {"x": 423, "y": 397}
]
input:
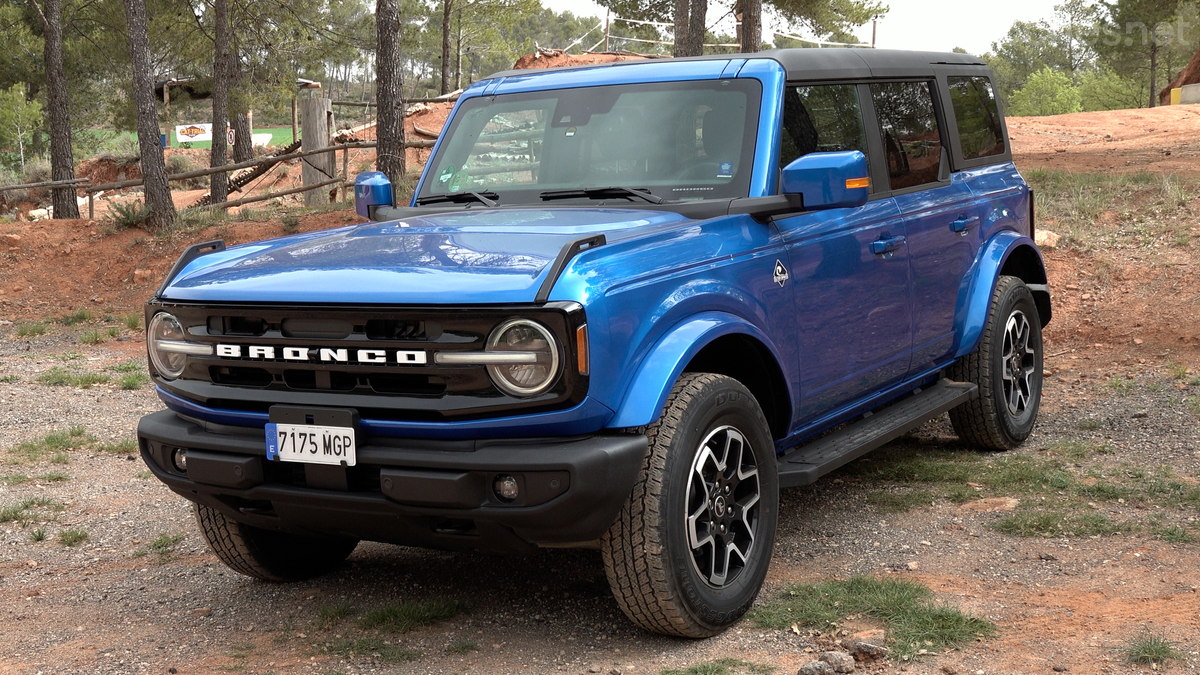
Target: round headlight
[
  {"x": 165, "y": 328},
  {"x": 534, "y": 374}
]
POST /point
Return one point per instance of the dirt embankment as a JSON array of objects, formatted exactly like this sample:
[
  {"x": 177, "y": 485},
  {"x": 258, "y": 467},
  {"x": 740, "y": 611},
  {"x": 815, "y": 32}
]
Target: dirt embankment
[{"x": 1159, "y": 140}]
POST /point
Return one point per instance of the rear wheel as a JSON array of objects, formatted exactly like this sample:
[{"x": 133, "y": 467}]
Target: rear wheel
[
  {"x": 689, "y": 552},
  {"x": 1007, "y": 367},
  {"x": 267, "y": 554}
]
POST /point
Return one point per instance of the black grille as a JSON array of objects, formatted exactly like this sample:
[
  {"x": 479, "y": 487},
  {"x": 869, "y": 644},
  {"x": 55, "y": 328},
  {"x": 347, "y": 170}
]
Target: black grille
[{"x": 311, "y": 356}]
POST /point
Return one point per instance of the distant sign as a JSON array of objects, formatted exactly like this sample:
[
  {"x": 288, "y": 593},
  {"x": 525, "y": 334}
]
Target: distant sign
[{"x": 189, "y": 133}]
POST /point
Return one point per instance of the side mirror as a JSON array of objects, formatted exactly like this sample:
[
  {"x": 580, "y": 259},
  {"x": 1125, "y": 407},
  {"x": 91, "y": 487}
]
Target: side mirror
[
  {"x": 371, "y": 188},
  {"x": 828, "y": 180}
]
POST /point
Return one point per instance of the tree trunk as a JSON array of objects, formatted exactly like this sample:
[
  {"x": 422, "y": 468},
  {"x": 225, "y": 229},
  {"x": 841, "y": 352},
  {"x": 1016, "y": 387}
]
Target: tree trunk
[
  {"x": 62, "y": 161},
  {"x": 681, "y": 28},
  {"x": 698, "y": 14},
  {"x": 239, "y": 107},
  {"x": 1153, "y": 70},
  {"x": 389, "y": 130},
  {"x": 447, "y": 7},
  {"x": 218, "y": 189},
  {"x": 458, "y": 53},
  {"x": 751, "y": 37},
  {"x": 154, "y": 168}
]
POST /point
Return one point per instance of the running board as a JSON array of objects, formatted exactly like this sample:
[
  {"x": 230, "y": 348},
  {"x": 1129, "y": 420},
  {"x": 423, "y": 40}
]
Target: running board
[{"x": 805, "y": 464}]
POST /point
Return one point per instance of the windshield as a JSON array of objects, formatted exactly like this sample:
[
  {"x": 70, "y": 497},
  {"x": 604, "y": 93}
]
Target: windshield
[{"x": 676, "y": 140}]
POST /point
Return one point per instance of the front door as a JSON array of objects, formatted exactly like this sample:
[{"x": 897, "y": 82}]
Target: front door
[{"x": 850, "y": 266}]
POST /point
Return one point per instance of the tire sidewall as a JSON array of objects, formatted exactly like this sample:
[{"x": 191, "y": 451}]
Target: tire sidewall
[
  {"x": 1015, "y": 297},
  {"x": 725, "y": 403}
]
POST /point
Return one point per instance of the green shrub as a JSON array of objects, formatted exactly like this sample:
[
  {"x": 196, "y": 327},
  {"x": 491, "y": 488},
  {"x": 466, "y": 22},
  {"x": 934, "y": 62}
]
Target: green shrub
[{"x": 124, "y": 215}]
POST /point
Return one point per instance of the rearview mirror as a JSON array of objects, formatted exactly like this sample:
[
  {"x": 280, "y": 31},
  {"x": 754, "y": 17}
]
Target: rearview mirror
[{"x": 828, "y": 180}]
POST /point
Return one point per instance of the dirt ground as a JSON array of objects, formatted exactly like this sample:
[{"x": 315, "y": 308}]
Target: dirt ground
[{"x": 141, "y": 594}]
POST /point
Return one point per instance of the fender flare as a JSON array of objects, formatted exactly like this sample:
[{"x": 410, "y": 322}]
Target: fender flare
[
  {"x": 976, "y": 297},
  {"x": 647, "y": 392}
]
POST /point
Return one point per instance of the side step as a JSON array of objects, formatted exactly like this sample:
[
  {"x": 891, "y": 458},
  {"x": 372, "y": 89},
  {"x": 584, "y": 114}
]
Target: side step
[{"x": 805, "y": 464}]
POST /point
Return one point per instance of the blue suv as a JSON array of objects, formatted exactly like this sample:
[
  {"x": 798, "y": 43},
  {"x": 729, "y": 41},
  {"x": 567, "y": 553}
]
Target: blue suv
[{"x": 625, "y": 306}]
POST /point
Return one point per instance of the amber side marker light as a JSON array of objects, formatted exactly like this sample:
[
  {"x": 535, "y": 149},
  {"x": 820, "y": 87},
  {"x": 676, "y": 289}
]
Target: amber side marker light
[
  {"x": 852, "y": 183},
  {"x": 581, "y": 349}
]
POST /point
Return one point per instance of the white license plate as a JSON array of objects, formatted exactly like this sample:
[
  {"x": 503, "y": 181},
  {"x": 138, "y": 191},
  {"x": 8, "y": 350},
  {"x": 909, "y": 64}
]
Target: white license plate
[{"x": 310, "y": 444}]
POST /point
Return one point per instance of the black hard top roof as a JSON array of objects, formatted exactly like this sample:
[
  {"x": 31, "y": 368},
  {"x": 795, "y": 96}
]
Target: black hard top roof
[{"x": 834, "y": 63}]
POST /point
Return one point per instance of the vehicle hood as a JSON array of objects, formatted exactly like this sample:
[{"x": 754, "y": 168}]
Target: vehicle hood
[{"x": 464, "y": 257}]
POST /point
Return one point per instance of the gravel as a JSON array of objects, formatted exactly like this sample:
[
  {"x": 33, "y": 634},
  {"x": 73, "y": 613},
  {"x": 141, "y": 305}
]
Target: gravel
[{"x": 113, "y": 604}]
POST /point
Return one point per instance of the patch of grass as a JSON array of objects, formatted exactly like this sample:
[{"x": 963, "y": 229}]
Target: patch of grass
[
  {"x": 462, "y": 647},
  {"x": 331, "y": 615},
  {"x": 60, "y": 458},
  {"x": 127, "y": 367},
  {"x": 892, "y": 501},
  {"x": 1025, "y": 475},
  {"x": 910, "y": 465},
  {"x": 914, "y": 620},
  {"x": 14, "y": 479},
  {"x": 726, "y": 666},
  {"x": 163, "y": 546},
  {"x": 9, "y": 379},
  {"x": 1089, "y": 425},
  {"x": 126, "y": 446},
  {"x": 130, "y": 381},
  {"x": 290, "y": 224},
  {"x": 369, "y": 646},
  {"x": 1173, "y": 534},
  {"x": 55, "y": 477},
  {"x": 145, "y": 474},
  {"x": 1074, "y": 450},
  {"x": 52, "y": 443},
  {"x": 1150, "y": 648},
  {"x": 76, "y": 317},
  {"x": 112, "y": 331},
  {"x": 32, "y": 329},
  {"x": 38, "y": 535},
  {"x": 132, "y": 321},
  {"x": 59, "y": 376},
  {"x": 1059, "y": 524},
  {"x": 1177, "y": 371},
  {"x": 402, "y": 617},
  {"x": 1120, "y": 386},
  {"x": 92, "y": 337},
  {"x": 69, "y": 356},
  {"x": 72, "y": 536}
]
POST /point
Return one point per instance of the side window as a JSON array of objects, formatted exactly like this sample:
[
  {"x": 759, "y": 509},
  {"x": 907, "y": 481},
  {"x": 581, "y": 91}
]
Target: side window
[
  {"x": 821, "y": 118},
  {"x": 912, "y": 141},
  {"x": 977, "y": 116}
]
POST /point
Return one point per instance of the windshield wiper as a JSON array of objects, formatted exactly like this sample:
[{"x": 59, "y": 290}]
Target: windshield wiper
[
  {"x": 602, "y": 192},
  {"x": 488, "y": 199}
]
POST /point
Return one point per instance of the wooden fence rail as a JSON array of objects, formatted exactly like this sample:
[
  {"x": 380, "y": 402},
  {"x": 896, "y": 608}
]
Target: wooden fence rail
[{"x": 51, "y": 183}]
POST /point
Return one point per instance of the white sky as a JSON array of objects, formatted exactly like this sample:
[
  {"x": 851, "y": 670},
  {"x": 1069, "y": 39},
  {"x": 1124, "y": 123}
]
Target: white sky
[{"x": 934, "y": 25}]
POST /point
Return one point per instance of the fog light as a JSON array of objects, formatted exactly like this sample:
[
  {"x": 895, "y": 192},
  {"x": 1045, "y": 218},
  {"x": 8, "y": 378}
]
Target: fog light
[
  {"x": 505, "y": 488},
  {"x": 179, "y": 459}
]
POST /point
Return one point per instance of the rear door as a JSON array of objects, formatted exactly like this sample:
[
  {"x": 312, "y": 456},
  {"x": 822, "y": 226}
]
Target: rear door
[
  {"x": 852, "y": 304},
  {"x": 939, "y": 211}
]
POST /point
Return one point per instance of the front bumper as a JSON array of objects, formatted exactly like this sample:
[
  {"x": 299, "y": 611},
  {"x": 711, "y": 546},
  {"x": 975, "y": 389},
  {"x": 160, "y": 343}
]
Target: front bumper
[{"x": 417, "y": 492}]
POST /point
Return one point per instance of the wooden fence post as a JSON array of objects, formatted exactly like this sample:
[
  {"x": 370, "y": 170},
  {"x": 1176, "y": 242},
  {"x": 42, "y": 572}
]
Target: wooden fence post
[{"x": 314, "y": 135}]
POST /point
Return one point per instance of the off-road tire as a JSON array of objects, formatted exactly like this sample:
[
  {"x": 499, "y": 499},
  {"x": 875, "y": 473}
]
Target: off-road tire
[
  {"x": 266, "y": 554},
  {"x": 647, "y": 556},
  {"x": 987, "y": 422}
]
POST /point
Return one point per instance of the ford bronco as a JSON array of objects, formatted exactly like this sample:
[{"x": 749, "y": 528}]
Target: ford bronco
[{"x": 626, "y": 305}]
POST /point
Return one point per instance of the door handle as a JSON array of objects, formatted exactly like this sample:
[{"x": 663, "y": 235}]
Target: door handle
[
  {"x": 964, "y": 223},
  {"x": 884, "y": 246}
]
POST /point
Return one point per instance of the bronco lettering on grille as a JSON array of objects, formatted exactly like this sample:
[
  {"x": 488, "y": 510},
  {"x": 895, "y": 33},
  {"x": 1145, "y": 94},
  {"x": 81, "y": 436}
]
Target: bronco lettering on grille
[{"x": 324, "y": 354}]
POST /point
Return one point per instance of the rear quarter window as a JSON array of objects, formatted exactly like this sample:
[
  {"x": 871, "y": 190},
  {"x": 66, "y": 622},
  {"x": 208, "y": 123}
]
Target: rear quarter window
[{"x": 975, "y": 111}]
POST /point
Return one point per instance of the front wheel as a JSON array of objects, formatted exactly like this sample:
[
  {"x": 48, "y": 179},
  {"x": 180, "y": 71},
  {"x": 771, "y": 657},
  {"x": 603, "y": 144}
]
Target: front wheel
[
  {"x": 689, "y": 552},
  {"x": 1007, "y": 367},
  {"x": 266, "y": 554}
]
